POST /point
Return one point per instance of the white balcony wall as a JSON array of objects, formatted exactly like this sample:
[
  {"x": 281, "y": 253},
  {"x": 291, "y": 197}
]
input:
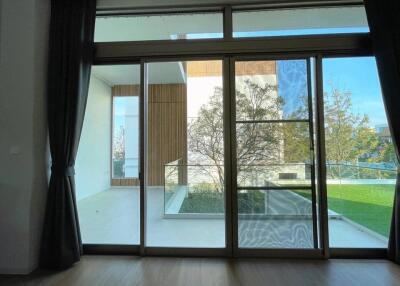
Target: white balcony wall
[{"x": 93, "y": 159}]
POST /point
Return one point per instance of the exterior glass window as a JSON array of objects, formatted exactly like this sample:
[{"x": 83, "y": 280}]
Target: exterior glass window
[
  {"x": 158, "y": 27},
  {"x": 306, "y": 21}
]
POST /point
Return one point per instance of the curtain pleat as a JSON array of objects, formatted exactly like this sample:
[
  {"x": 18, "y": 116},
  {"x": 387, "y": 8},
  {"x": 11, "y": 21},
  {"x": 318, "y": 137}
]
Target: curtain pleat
[
  {"x": 70, "y": 58},
  {"x": 384, "y": 23}
]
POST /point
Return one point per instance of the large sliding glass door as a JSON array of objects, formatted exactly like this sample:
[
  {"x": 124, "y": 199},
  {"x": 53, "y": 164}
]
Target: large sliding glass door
[
  {"x": 274, "y": 155},
  {"x": 248, "y": 142},
  {"x": 274, "y": 196},
  {"x": 219, "y": 157}
]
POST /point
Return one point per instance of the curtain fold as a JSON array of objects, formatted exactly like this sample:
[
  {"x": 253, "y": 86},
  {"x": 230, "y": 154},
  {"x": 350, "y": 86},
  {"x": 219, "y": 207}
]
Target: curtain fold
[
  {"x": 70, "y": 58},
  {"x": 384, "y": 23}
]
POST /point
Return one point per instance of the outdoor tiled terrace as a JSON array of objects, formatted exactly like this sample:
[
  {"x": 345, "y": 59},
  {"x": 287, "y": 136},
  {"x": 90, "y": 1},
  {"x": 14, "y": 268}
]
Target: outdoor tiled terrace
[{"x": 112, "y": 217}]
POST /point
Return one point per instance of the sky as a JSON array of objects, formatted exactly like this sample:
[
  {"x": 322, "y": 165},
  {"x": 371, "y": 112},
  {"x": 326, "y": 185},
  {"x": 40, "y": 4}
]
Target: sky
[
  {"x": 360, "y": 77},
  {"x": 357, "y": 75}
]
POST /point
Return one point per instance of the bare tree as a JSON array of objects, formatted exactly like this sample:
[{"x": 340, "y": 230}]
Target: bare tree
[
  {"x": 119, "y": 152},
  {"x": 348, "y": 136},
  {"x": 258, "y": 144}
]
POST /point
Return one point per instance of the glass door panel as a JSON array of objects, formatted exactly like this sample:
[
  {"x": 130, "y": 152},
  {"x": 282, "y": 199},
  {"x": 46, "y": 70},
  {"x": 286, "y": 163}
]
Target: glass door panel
[
  {"x": 276, "y": 194},
  {"x": 361, "y": 165},
  {"x": 107, "y": 176},
  {"x": 185, "y": 189}
]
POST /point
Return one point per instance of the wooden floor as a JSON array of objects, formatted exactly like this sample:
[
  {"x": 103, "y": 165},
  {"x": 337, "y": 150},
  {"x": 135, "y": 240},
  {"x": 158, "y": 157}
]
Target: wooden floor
[{"x": 127, "y": 270}]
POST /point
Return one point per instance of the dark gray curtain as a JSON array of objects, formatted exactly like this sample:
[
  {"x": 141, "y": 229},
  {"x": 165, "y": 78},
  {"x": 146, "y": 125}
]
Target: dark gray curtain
[
  {"x": 70, "y": 57},
  {"x": 384, "y": 22}
]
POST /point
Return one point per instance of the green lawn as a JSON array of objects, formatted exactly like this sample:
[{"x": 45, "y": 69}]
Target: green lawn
[
  {"x": 203, "y": 203},
  {"x": 213, "y": 203},
  {"x": 367, "y": 205}
]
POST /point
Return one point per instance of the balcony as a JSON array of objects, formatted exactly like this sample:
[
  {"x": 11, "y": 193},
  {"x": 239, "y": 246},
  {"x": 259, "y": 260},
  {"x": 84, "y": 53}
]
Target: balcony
[{"x": 189, "y": 212}]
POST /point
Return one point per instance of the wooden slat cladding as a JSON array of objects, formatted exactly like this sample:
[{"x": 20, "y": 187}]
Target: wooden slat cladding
[
  {"x": 167, "y": 129},
  {"x": 255, "y": 68},
  {"x": 167, "y": 124},
  {"x": 204, "y": 68},
  {"x": 125, "y": 90},
  {"x": 214, "y": 68},
  {"x": 125, "y": 182}
]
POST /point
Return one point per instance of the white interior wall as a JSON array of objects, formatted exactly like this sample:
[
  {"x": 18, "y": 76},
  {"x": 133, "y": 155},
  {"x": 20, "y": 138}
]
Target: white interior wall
[
  {"x": 23, "y": 152},
  {"x": 93, "y": 159}
]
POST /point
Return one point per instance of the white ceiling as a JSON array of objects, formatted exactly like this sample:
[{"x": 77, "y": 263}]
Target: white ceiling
[{"x": 168, "y": 72}]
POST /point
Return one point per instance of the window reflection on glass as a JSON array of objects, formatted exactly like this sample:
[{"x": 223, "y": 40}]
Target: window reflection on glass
[
  {"x": 273, "y": 155},
  {"x": 272, "y": 129},
  {"x": 271, "y": 90}
]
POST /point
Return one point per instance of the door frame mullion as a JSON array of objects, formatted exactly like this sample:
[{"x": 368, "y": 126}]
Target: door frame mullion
[
  {"x": 143, "y": 153},
  {"x": 321, "y": 159},
  {"x": 229, "y": 231},
  {"x": 312, "y": 152},
  {"x": 233, "y": 159}
]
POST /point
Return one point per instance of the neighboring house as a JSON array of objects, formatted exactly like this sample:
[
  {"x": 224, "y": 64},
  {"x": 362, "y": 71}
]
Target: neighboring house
[{"x": 383, "y": 132}]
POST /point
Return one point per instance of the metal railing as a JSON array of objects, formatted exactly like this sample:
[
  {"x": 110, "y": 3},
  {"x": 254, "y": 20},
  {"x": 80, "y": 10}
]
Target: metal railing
[
  {"x": 350, "y": 171},
  {"x": 198, "y": 189}
]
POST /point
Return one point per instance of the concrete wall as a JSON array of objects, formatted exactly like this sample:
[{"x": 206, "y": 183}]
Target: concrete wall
[
  {"x": 93, "y": 160},
  {"x": 23, "y": 152}
]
